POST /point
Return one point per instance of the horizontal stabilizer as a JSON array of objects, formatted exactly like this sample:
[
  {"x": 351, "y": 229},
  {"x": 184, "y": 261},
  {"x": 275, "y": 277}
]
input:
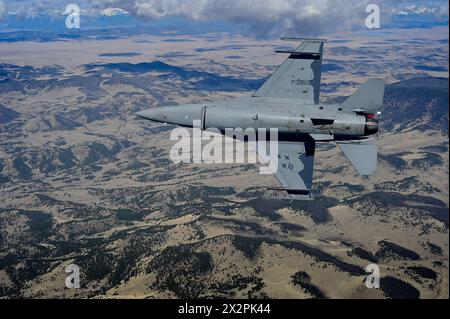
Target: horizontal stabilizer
[
  {"x": 369, "y": 96},
  {"x": 362, "y": 154}
]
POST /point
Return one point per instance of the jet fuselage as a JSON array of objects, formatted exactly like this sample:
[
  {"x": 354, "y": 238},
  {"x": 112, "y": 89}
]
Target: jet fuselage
[
  {"x": 289, "y": 101},
  {"x": 292, "y": 120}
]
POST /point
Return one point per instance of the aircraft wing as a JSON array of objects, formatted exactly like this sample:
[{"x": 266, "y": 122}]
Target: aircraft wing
[
  {"x": 299, "y": 76},
  {"x": 295, "y": 167}
]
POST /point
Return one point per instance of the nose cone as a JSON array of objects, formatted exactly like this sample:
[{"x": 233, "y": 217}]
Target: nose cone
[
  {"x": 155, "y": 114},
  {"x": 371, "y": 126},
  {"x": 183, "y": 115}
]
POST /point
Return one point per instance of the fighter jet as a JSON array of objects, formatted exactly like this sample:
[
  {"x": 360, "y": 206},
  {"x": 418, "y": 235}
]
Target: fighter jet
[{"x": 289, "y": 101}]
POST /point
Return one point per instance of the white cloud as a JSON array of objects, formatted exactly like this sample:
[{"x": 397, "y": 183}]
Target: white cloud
[
  {"x": 263, "y": 17},
  {"x": 110, "y": 12},
  {"x": 419, "y": 9},
  {"x": 305, "y": 17}
]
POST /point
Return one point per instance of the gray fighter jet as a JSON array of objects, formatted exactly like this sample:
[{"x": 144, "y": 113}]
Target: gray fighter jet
[{"x": 289, "y": 101}]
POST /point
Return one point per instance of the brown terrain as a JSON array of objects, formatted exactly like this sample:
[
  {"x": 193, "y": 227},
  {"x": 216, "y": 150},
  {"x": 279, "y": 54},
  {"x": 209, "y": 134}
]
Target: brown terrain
[{"x": 85, "y": 182}]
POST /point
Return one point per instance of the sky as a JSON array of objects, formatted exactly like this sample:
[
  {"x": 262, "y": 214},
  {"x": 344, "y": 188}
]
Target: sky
[{"x": 262, "y": 18}]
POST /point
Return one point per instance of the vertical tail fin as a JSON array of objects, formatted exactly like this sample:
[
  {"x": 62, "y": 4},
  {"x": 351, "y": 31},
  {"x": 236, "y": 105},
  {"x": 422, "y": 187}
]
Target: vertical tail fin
[{"x": 369, "y": 97}]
